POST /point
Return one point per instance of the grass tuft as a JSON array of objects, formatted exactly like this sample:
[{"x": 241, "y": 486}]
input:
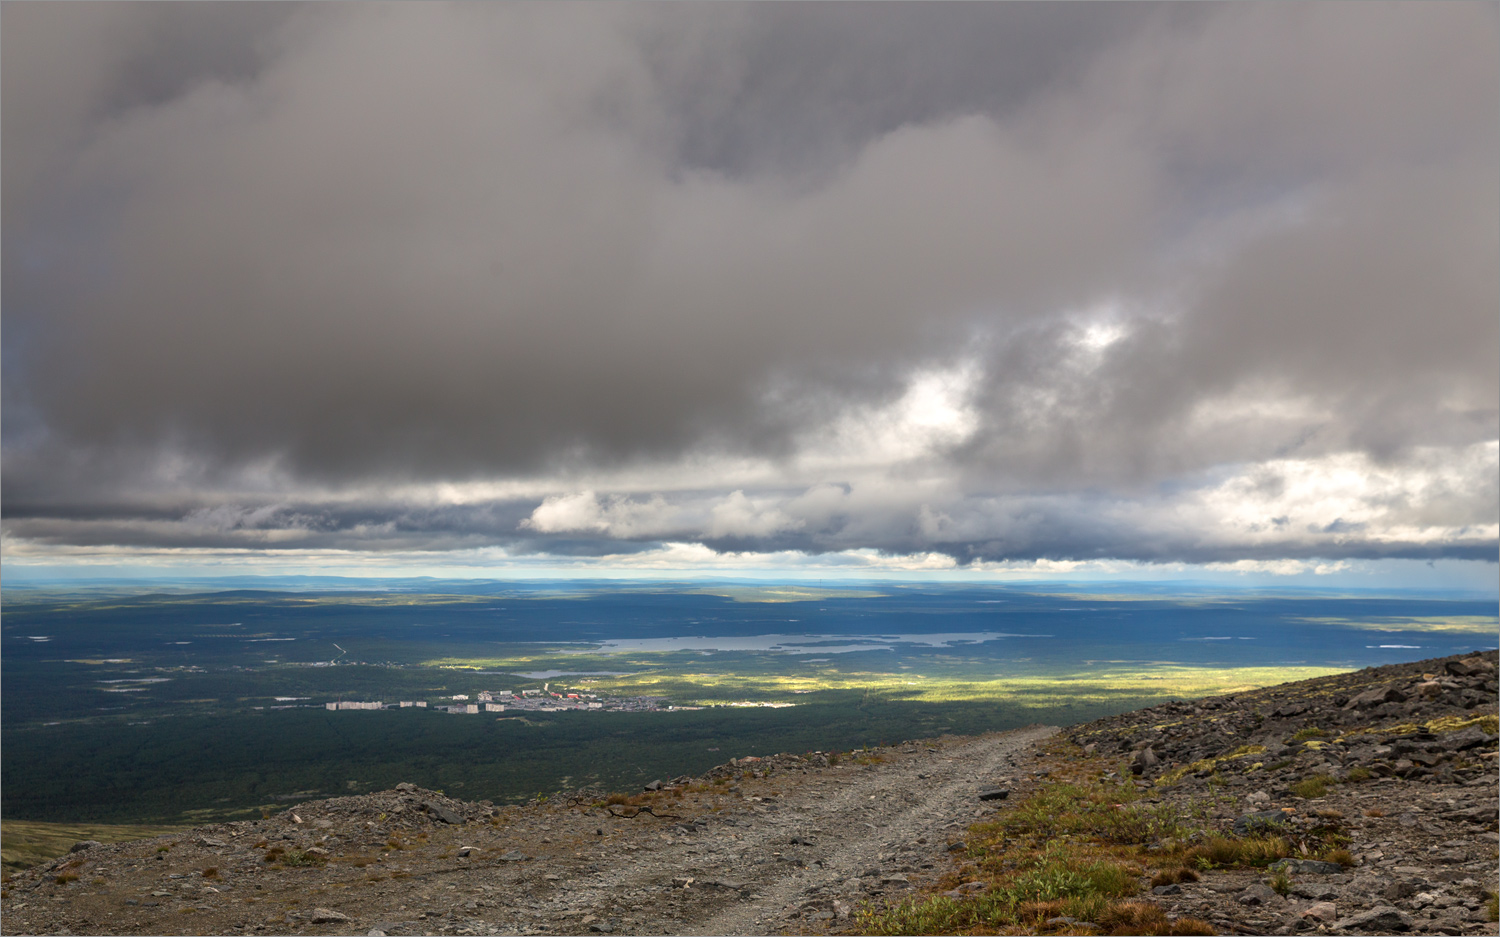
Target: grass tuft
[
  {"x": 1312, "y": 787},
  {"x": 1173, "y": 877},
  {"x": 1222, "y": 851}
]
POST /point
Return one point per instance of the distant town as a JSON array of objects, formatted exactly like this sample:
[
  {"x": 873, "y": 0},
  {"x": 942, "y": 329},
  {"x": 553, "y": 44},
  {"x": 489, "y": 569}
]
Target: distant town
[{"x": 544, "y": 700}]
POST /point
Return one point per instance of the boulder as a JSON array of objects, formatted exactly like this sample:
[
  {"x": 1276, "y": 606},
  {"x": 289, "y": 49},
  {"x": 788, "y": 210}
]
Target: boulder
[
  {"x": 1466, "y": 738},
  {"x": 442, "y": 813},
  {"x": 1258, "y": 894},
  {"x": 1324, "y": 912},
  {"x": 1376, "y": 697},
  {"x": 1382, "y": 919},
  {"x": 1469, "y": 666},
  {"x": 1143, "y": 759},
  {"x": 994, "y": 793},
  {"x": 81, "y": 845}
]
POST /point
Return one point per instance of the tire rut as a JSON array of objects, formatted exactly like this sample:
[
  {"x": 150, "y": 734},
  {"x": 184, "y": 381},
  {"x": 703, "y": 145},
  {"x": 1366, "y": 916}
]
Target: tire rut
[{"x": 847, "y": 848}]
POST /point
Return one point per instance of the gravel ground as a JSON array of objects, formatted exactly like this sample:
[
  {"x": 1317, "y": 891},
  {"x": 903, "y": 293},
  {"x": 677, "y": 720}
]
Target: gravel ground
[{"x": 778, "y": 842}]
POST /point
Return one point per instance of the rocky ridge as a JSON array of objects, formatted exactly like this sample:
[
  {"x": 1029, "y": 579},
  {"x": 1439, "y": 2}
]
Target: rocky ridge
[
  {"x": 799, "y": 843},
  {"x": 1399, "y": 762}
]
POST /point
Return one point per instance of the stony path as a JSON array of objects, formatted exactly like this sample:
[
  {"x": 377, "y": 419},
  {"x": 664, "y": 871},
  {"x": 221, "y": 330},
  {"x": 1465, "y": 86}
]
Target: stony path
[
  {"x": 921, "y": 800},
  {"x": 765, "y": 845}
]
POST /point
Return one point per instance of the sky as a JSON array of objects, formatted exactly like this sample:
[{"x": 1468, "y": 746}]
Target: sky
[{"x": 981, "y": 290}]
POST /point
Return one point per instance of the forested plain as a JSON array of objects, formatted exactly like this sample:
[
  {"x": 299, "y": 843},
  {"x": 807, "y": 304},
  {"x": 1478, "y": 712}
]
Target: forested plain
[{"x": 124, "y": 706}]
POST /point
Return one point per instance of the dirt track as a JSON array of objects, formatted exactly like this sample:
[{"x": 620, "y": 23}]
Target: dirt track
[{"x": 777, "y": 843}]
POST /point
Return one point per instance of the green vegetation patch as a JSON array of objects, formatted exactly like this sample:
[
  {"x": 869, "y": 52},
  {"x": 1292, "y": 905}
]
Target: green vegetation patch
[
  {"x": 1450, "y": 624},
  {"x": 30, "y": 842}
]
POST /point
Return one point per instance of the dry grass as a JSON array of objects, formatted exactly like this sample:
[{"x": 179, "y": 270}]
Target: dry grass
[
  {"x": 1224, "y": 851},
  {"x": 1174, "y": 877}
]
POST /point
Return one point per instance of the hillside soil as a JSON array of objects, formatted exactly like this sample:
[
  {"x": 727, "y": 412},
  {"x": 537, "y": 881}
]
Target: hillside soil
[{"x": 818, "y": 842}]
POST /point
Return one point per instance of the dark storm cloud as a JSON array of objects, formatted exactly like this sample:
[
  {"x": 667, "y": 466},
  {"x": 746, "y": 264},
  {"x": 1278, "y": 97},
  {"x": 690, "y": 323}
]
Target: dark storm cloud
[{"x": 264, "y": 262}]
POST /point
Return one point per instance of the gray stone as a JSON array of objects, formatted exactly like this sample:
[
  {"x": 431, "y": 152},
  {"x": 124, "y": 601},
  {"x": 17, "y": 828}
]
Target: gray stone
[
  {"x": 1469, "y": 666},
  {"x": 1260, "y": 821},
  {"x": 1470, "y": 737},
  {"x": 1257, "y": 894},
  {"x": 1382, "y": 919},
  {"x": 81, "y": 845},
  {"x": 994, "y": 793},
  {"x": 654, "y": 786},
  {"x": 1376, "y": 697},
  {"x": 515, "y": 855},
  {"x": 1324, "y": 911},
  {"x": 1172, "y": 889},
  {"x": 328, "y": 916},
  {"x": 442, "y": 813},
  {"x": 1307, "y": 866},
  {"x": 406, "y": 786},
  {"x": 1143, "y": 759},
  {"x": 1314, "y": 891}
]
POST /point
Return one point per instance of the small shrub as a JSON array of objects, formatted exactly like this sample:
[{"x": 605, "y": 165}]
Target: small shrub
[
  {"x": 1302, "y": 735},
  {"x": 211, "y": 872},
  {"x": 1492, "y": 907},
  {"x": 1342, "y": 856},
  {"x": 1357, "y": 774},
  {"x": 67, "y": 877},
  {"x": 299, "y": 859},
  {"x": 1281, "y": 882},
  {"x": 615, "y": 800},
  {"x": 273, "y": 854},
  {"x": 1312, "y": 787},
  {"x": 1374, "y": 812}
]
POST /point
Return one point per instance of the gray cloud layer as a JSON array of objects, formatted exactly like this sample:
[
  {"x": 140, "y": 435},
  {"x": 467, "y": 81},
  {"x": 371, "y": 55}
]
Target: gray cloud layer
[{"x": 1063, "y": 280}]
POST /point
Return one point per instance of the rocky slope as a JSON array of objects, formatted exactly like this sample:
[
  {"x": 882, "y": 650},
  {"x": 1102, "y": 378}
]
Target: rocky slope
[{"x": 799, "y": 843}]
